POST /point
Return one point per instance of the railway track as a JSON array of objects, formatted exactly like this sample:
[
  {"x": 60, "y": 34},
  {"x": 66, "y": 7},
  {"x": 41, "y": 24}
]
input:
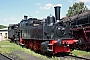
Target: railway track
[
  {"x": 82, "y": 58},
  {"x": 75, "y": 57},
  {"x": 4, "y": 57}
]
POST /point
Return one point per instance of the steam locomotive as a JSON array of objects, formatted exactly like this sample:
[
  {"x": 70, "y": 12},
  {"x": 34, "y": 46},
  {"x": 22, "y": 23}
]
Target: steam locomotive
[
  {"x": 14, "y": 33},
  {"x": 80, "y": 25},
  {"x": 47, "y": 35}
]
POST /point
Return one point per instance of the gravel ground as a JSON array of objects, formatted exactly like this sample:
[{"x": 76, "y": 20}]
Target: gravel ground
[{"x": 20, "y": 55}]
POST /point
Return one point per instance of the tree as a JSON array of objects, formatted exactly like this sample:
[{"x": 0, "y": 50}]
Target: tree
[
  {"x": 76, "y": 8},
  {"x": 2, "y": 26}
]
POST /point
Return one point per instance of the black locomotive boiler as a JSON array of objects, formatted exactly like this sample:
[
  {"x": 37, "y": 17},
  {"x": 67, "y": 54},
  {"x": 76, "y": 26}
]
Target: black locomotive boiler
[{"x": 48, "y": 35}]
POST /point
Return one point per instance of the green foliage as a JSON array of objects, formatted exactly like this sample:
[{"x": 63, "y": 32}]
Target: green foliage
[
  {"x": 81, "y": 53},
  {"x": 76, "y": 8},
  {"x": 2, "y": 26}
]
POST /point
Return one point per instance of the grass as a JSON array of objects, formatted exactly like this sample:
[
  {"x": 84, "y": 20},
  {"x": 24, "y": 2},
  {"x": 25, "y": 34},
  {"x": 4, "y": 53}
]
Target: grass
[
  {"x": 6, "y": 48},
  {"x": 81, "y": 53}
]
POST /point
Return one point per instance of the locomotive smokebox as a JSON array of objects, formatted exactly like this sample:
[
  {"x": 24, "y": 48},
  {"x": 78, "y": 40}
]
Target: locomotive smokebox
[
  {"x": 57, "y": 12},
  {"x": 25, "y": 17}
]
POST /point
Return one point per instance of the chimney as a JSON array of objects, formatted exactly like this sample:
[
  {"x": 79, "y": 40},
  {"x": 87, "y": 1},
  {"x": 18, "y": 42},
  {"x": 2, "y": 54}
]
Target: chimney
[
  {"x": 57, "y": 12},
  {"x": 25, "y": 17}
]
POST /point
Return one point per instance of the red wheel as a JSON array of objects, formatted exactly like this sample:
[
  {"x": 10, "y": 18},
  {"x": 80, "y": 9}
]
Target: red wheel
[
  {"x": 35, "y": 45},
  {"x": 82, "y": 44},
  {"x": 83, "y": 47},
  {"x": 30, "y": 44}
]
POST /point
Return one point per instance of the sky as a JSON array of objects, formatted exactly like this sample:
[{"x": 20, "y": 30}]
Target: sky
[{"x": 12, "y": 11}]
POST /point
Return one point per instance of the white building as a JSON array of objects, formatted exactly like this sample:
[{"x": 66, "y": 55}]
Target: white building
[{"x": 3, "y": 34}]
